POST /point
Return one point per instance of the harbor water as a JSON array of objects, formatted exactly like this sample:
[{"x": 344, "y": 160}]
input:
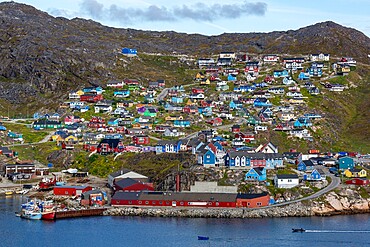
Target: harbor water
[{"x": 349, "y": 230}]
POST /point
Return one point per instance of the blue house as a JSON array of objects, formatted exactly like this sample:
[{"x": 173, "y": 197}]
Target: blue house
[
  {"x": 235, "y": 104},
  {"x": 231, "y": 77},
  {"x": 217, "y": 143},
  {"x": 315, "y": 175},
  {"x": 256, "y": 174},
  {"x": 113, "y": 122},
  {"x": 305, "y": 165},
  {"x": 280, "y": 73},
  {"x": 168, "y": 146},
  {"x": 303, "y": 76},
  {"x": 314, "y": 71},
  {"x": 177, "y": 100},
  {"x": 345, "y": 163},
  {"x": 302, "y": 122},
  {"x": 261, "y": 102},
  {"x": 181, "y": 123},
  {"x": 206, "y": 111},
  {"x": 97, "y": 90},
  {"x": 206, "y": 157},
  {"x": 129, "y": 52},
  {"x": 123, "y": 94}
]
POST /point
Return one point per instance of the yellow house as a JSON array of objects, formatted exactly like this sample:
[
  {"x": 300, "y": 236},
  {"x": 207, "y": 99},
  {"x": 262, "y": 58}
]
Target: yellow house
[
  {"x": 190, "y": 102},
  {"x": 205, "y": 82},
  {"x": 355, "y": 173},
  {"x": 71, "y": 139},
  {"x": 173, "y": 118},
  {"x": 296, "y": 101},
  {"x": 80, "y": 92},
  {"x": 199, "y": 76}
]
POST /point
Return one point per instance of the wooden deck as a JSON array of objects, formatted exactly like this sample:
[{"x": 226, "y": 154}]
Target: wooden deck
[{"x": 79, "y": 213}]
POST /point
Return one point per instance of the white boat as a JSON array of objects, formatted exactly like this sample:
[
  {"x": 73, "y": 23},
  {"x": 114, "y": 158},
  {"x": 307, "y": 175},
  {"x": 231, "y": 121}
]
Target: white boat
[{"x": 31, "y": 215}]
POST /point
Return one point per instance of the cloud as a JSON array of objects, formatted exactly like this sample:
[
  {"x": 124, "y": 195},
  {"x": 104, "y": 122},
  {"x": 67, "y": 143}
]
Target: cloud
[
  {"x": 213, "y": 12},
  {"x": 197, "y": 12}
]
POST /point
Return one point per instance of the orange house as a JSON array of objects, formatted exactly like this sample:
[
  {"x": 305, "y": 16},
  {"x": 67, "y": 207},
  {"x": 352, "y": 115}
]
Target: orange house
[{"x": 252, "y": 200}]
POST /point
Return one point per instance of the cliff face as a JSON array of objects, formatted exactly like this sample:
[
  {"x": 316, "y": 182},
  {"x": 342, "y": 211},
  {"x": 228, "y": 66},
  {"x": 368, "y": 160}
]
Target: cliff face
[{"x": 47, "y": 55}]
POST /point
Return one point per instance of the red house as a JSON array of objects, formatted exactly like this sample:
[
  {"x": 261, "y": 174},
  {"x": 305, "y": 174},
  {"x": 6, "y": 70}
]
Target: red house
[
  {"x": 235, "y": 128},
  {"x": 358, "y": 181},
  {"x": 71, "y": 119},
  {"x": 131, "y": 82},
  {"x": 197, "y": 90},
  {"x": 215, "y": 121},
  {"x": 141, "y": 139},
  {"x": 129, "y": 184},
  {"x": 70, "y": 190},
  {"x": 96, "y": 122},
  {"x": 189, "y": 109},
  {"x": 91, "y": 98},
  {"x": 107, "y": 146},
  {"x": 246, "y": 137}
]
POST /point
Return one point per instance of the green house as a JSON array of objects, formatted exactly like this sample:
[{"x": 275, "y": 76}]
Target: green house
[
  {"x": 253, "y": 120},
  {"x": 47, "y": 124},
  {"x": 150, "y": 112}
]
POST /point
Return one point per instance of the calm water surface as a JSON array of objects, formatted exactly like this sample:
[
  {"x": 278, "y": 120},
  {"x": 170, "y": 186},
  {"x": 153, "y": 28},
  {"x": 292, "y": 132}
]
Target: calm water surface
[{"x": 351, "y": 230}]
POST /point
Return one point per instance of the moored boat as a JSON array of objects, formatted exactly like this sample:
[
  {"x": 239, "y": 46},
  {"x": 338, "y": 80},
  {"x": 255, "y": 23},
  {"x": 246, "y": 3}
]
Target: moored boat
[
  {"x": 31, "y": 215},
  {"x": 9, "y": 192},
  {"x": 48, "y": 215}
]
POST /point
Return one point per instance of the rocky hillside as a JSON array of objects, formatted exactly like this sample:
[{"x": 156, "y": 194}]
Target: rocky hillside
[{"x": 42, "y": 55}]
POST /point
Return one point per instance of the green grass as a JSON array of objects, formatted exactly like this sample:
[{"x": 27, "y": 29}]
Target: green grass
[
  {"x": 38, "y": 152},
  {"x": 29, "y": 135}
]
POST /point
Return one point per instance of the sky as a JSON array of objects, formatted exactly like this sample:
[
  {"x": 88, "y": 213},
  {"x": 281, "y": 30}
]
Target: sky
[{"x": 211, "y": 17}]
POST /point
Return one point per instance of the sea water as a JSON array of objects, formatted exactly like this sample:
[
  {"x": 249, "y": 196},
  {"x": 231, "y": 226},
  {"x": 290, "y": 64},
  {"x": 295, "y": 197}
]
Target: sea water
[{"x": 349, "y": 230}]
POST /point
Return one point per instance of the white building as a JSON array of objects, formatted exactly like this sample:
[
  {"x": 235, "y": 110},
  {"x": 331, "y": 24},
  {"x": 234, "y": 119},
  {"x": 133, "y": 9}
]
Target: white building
[{"x": 286, "y": 180}]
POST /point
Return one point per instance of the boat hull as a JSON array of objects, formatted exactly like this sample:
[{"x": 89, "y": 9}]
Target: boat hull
[
  {"x": 48, "y": 216},
  {"x": 31, "y": 215}
]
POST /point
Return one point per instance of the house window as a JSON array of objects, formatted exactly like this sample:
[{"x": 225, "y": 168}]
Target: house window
[
  {"x": 129, "y": 202},
  {"x": 181, "y": 203},
  {"x": 140, "y": 202},
  {"x": 259, "y": 204},
  {"x": 208, "y": 156},
  {"x": 146, "y": 202},
  {"x": 248, "y": 203},
  {"x": 289, "y": 180}
]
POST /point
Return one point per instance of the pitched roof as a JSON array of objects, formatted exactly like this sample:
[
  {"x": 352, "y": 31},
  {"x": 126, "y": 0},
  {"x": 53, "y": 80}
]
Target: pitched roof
[{"x": 287, "y": 176}]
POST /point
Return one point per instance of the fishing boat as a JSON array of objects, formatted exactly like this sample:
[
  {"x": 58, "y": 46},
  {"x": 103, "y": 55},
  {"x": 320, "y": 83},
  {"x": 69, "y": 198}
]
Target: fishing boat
[
  {"x": 203, "y": 238},
  {"x": 31, "y": 215},
  {"x": 48, "y": 215},
  {"x": 298, "y": 230},
  {"x": 9, "y": 192}
]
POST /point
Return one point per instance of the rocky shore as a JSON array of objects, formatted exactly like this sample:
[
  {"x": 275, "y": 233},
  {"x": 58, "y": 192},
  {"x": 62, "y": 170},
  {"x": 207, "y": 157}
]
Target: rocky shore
[{"x": 345, "y": 202}]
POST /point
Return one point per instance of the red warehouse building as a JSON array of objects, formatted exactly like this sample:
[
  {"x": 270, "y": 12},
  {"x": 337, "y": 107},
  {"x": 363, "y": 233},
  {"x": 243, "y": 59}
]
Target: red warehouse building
[
  {"x": 91, "y": 98},
  {"x": 189, "y": 199},
  {"x": 70, "y": 190},
  {"x": 358, "y": 181}
]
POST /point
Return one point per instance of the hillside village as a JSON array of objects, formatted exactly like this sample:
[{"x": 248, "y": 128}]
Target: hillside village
[{"x": 223, "y": 118}]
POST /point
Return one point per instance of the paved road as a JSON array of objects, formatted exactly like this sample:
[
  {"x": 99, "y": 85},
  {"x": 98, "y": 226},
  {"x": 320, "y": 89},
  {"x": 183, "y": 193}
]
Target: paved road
[
  {"x": 162, "y": 94},
  {"x": 335, "y": 182}
]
